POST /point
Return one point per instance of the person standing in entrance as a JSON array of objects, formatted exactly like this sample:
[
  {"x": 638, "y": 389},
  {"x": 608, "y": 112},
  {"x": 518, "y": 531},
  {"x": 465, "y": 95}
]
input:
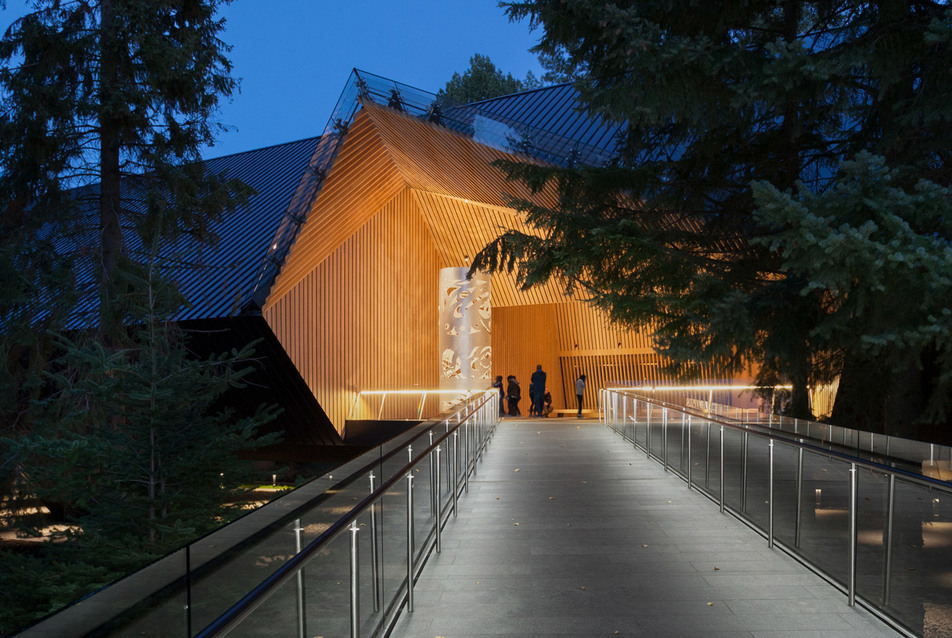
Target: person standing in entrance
[
  {"x": 514, "y": 393},
  {"x": 497, "y": 383},
  {"x": 538, "y": 380},
  {"x": 579, "y": 392}
]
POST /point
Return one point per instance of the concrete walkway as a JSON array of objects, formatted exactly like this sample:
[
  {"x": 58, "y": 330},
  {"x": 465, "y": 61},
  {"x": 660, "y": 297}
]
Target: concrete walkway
[{"x": 568, "y": 531}]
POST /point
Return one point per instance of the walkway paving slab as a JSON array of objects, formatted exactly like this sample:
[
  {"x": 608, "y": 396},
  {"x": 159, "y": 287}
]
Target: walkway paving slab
[{"x": 569, "y": 531}]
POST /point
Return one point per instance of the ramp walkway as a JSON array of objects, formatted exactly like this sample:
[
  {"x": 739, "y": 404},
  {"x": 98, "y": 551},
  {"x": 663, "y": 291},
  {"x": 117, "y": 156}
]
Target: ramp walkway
[{"x": 568, "y": 530}]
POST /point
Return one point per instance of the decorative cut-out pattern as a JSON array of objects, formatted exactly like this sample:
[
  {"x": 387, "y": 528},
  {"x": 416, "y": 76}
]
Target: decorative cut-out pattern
[{"x": 465, "y": 330}]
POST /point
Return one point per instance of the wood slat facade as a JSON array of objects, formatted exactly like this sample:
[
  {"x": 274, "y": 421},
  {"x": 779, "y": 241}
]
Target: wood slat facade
[
  {"x": 355, "y": 304},
  {"x": 365, "y": 317}
]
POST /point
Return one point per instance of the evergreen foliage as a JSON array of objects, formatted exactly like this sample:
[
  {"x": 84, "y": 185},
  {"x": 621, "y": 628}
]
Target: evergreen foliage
[
  {"x": 742, "y": 119},
  {"x": 482, "y": 81}
]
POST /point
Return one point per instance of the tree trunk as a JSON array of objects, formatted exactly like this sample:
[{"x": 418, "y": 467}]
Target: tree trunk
[
  {"x": 110, "y": 201},
  {"x": 800, "y": 397},
  {"x": 861, "y": 397}
]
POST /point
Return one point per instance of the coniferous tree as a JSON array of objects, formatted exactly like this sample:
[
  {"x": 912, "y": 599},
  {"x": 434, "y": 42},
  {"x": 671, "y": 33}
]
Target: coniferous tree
[
  {"x": 105, "y": 107},
  {"x": 714, "y": 98},
  {"x": 482, "y": 80}
]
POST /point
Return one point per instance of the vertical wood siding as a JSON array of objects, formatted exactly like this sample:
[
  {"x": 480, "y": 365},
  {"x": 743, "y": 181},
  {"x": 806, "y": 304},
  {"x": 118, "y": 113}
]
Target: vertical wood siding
[
  {"x": 590, "y": 344},
  {"x": 355, "y": 304},
  {"x": 461, "y": 228},
  {"x": 362, "y": 180},
  {"x": 366, "y": 316}
]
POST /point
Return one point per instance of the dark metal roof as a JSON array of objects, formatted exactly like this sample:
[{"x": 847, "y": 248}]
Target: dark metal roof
[
  {"x": 237, "y": 272},
  {"x": 544, "y": 123},
  {"x": 216, "y": 280},
  {"x": 223, "y": 281},
  {"x": 554, "y": 110}
]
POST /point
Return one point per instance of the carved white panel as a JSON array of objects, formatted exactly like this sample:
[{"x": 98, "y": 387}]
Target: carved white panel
[{"x": 465, "y": 330}]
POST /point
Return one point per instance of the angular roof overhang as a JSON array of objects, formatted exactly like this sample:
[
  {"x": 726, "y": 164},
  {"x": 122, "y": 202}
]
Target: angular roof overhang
[{"x": 461, "y": 196}]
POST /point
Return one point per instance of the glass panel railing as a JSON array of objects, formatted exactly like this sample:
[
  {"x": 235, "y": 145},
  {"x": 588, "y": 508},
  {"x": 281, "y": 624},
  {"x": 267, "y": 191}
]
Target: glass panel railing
[
  {"x": 825, "y": 523},
  {"x": 887, "y": 544},
  {"x": 741, "y": 404},
  {"x": 154, "y": 616},
  {"x": 733, "y": 468},
  {"x": 872, "y": 525},
  {"x": 757, "y": 487},
  {"x": 787, "y": 490},
  {"x": 215, "y": 591},
  {"x": 393, "y": 538},
  {"x": 402, "y": 510},
  {"x": 920, "y": 561},
  {"x": 252, "y": 564}
]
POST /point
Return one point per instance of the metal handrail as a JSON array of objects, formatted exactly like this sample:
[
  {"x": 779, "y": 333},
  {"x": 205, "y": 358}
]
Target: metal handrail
[
  {"x": 423, "y": 393},
  {"x": 856, "y": 441},
  {"x": 163, "y": 584},
  {"x": 843, "y": 452},
  {"x": 251, "y": 601},
  {"x": 611, "y": 411}
]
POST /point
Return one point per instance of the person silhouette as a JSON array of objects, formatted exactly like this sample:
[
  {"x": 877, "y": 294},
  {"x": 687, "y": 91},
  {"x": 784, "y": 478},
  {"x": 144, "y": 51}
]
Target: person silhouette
[{"x": 538, "y": 381}]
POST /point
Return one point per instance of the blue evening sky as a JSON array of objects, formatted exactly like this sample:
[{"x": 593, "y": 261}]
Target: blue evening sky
[{"x": 294, "y": 56}]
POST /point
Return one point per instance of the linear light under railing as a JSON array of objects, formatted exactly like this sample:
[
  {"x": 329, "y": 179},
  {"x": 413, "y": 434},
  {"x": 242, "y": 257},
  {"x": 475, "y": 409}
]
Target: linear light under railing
[{"x": 694, "y": 388}]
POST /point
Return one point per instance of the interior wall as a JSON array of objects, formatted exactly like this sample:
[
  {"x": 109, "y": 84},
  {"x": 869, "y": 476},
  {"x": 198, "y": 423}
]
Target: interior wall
[
  {"x": 365, "y": 318},
  {"x": 524, "y": 336},
  {"x": 590, "y": 344}
]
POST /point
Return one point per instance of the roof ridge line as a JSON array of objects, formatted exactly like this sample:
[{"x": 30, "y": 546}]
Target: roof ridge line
[
  {"x": 262, "y": 148},
  {"x": 527, "y": 91}
]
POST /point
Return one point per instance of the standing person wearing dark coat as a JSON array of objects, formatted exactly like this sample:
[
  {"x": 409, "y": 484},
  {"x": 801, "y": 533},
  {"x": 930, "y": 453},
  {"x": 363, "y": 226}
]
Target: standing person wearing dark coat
[
  {"x": 515, "y": 393},
  {"x": 538, "y": 380},
  {"x": 497, "y": 383},
  {"x": 579, "y": 392}
]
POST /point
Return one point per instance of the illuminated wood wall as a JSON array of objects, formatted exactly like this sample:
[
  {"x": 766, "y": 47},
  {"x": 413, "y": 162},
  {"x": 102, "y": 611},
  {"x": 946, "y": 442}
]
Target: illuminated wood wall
[
  {"x": 569, "y": 339},
  {"x": 523, "y": 337},
  {"x": 589, "y": 344},
  {"x": 366, "y": 316},
  {"x": 355, "y": 304}
]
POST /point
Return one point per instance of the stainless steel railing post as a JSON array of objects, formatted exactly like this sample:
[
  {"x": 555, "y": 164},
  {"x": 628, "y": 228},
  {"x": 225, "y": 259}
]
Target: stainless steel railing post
[
  {"x": 455, "y": 470},
  {"x": 648, "y": 430},
  {"x": 466, "y": 435},
  {"x": 770, "y": 498},
  {"x": 888, "y": 538},
  {"x": 664, "y": 437},
  {"x": 433, "y": 498},
  {"x": 690, "y": 458},
  {"x": 851, "y": 599},
  {"x": 478, "y": 438},
  {"x": 354, "y": 582},
  {"x": 624, "y": 418},
  {"x": 615, "y": 410},
  {"x": 439, "y": 505},
  {"x": 601, "y": 406},
  {"x": 743, "y": 478},
  {"x": 796, "y": 540},
  {"x": 681, "y": 449},
  {"x": 721, "y": 462},
  {"x": 375, "y": 551},
  {"x": 410, "y": 542},
  {"x": 299, "y": 581},
  {"x": 707, "y": 458}
]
